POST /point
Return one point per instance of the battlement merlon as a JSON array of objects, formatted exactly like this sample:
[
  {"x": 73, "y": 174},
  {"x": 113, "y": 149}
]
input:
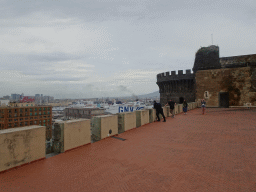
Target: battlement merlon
[{"x": 161, "y": 77}]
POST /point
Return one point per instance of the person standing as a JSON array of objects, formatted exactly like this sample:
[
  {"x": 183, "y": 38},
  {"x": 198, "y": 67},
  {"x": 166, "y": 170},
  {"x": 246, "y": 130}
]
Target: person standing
[
  {"x": 159, "y": 109},
  {"x": 203, "y": 105},
  {"x": 172, "y": 104},
  {"x": 185, "y": 107}
]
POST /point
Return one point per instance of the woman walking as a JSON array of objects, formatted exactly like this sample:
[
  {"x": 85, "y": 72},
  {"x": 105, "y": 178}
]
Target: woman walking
[
  {"x": 185, "y": 107},
  {"x": 203, "y": 103}
]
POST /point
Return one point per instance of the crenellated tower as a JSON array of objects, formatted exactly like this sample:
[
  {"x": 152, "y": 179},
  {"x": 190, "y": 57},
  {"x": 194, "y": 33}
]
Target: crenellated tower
[
  {"x": 222, "y": 82},
  {"x": 176, "y": 86}
]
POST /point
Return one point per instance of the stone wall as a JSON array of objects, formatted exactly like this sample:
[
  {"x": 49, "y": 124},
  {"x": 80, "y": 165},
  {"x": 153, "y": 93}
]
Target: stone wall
[
  {"x": 142, "y": 117},
  {"x": 238, "y": 82},
  {"x": 126, "y": 121},
  {"x": 22, "y": 145},
  {"x": 207, "y": 58},
  {"x": 104, "y": 126},
  {"x": 76, "y": 133},
  {"x": 176, "y": 86},
  {"x": 238, "y": 61},
  {"x": 189, "y": 96}
]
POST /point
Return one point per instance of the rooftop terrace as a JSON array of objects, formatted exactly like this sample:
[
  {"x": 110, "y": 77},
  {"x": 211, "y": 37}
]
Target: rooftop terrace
[{"x": 193, "y": 152}]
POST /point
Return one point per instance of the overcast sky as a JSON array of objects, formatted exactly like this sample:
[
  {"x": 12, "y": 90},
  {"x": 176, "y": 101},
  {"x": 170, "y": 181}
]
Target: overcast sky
[{"x": 100, "y": 48}]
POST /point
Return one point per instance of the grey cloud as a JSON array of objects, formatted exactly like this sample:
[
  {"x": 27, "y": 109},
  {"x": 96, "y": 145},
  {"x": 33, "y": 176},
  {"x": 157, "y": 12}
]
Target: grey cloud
[
  {"x": 34, "y": 62},
  {"x": 93, "y": 10},
  {"x": 161, "y": 35},
  {"x": 52, "y": 57},
  {"x": 54, "y": 78}
]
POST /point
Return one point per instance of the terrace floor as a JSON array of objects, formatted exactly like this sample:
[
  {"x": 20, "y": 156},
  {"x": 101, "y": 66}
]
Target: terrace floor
[{"x": 193, "y": 152}]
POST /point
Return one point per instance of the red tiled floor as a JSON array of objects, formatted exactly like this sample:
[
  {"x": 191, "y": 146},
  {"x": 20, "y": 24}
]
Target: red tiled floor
[{"x": 193, "y": 152}]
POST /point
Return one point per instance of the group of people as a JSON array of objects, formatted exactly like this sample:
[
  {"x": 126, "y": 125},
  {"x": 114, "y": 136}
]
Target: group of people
[{"x": 159, "y": 109}]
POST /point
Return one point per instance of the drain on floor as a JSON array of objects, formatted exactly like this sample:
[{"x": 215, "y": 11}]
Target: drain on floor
[{"x": 119, "y": 138}]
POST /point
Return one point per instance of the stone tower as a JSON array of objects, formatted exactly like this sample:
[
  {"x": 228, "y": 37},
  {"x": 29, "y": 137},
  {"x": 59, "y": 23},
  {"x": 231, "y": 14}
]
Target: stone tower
[
  {"x": 176, "y": 86},
  {"x": 207, "y": 58}
]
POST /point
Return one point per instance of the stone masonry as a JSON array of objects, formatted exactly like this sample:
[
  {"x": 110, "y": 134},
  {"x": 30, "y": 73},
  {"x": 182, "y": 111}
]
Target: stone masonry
[
  {"x": 176, "y": 86},
  {"x": 213, "y": 76},
  {"x": 236, "y": 81}
]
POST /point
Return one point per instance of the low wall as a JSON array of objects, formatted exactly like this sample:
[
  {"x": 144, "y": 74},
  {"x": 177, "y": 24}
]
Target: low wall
[
  {"x": 22, "y": 145},
  {"x": 76, "y": 133},
  {"x": 152, "y": 115},
  {"x": 104, "y": 126},
  {"x": 126, "y": 121},
  {"x": 168, "y": 111},
  {"x": 165, "y": 111},
  {"x": 58, "y": 134},
  {"x": 142, "y": 117},
  {"x": 71, "y": 134},
  {"x": 190, "y": 106},
  {"x": 180, "y": 108}
]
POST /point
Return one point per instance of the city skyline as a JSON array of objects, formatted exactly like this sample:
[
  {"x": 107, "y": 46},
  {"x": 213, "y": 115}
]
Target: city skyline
[
  {"x": 113, "y": 48},
  {"x": 19, "y": 97}
]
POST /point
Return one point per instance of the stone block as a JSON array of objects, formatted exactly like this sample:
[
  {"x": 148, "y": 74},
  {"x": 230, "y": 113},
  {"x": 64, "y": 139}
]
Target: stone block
[
  {"x": 173, "y": 72},
  {"x": 58, "y": 147},
  {"x": 142, "y": 117},
  {"x": 189, "y": 106},
  {"x": 104, "y": 126},
  {"x": 58, "y": 136},
  {"x": 48, "y": 149},
  {"x": 48, "y": 132},
  {"x": 165, "y": 111},
  {"x": 152, "y": 115},
  {"x": 180, "y": 108},
  {"x": 76, "y": 133},
  {"x": 126, "y": 121},
  {"x": 22, "y": 145},
  {"x": 168, "y": 111},
  {"x": 58, "y": 133}
]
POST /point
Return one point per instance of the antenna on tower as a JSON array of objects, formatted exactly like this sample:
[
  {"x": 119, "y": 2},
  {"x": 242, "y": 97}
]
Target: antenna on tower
[{"x": 212, "y": 39}]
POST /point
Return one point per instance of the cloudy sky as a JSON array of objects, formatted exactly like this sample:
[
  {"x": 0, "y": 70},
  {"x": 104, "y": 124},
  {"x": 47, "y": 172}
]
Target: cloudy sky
[{"x": 100, "y": 48}]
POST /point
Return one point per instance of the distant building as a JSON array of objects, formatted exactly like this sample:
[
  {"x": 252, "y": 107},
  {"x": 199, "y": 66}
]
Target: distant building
[
  {"x": 86, "y": 113},
  {"x": 12, "y": 117},
  {"x": 7, "y": 97},
  {"x": 47, "y": 99},
  {"x": 40, "y": 99},
  {"x": 14, "y": 104},
  {"x": 15, "y": 97},
  {"x": 4, "y": 102}
]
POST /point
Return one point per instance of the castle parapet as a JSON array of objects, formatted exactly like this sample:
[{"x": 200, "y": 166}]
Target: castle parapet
[
  {"x": 180, "y": 72},
  {"x": 161, "y": 77}
]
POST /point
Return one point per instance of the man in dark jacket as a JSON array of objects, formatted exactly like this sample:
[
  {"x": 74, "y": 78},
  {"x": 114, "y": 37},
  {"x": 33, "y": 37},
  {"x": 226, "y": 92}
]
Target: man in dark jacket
[{"x": 159, "y": 109}]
